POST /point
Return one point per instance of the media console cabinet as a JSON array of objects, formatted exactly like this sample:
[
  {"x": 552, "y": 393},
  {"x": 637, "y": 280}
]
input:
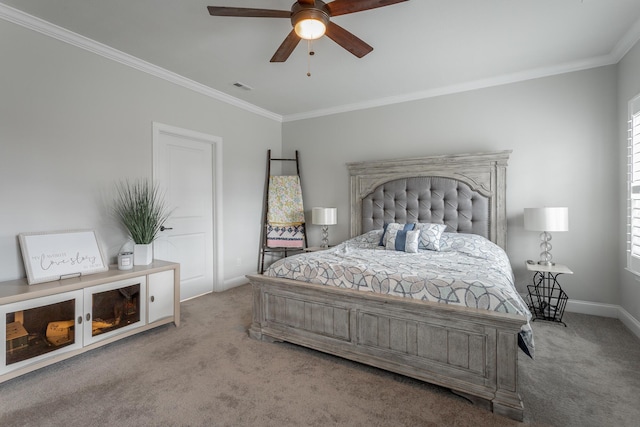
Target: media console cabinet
[{"x": 49, "y": 322}]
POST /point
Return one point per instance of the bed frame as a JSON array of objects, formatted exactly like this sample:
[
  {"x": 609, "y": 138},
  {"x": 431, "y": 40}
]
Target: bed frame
[{"x": 472, "y": 352}]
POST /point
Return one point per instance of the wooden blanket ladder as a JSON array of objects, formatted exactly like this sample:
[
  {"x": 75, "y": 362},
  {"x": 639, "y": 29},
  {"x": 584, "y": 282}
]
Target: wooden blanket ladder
[{"x": 264, "y": 248}]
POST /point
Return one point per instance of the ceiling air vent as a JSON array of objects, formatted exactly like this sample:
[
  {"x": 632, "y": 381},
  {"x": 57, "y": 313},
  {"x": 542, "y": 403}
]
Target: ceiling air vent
[{"x": 242, "y": 86}]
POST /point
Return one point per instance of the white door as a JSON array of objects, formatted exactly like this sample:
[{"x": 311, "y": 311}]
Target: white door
[{"x": 183, "y": 167}]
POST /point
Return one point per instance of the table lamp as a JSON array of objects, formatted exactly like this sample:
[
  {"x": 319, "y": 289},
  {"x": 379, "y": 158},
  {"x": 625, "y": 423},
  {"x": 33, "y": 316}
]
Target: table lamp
[
  {"x": 324, "y": 217},
  {"x": 546, "y": 220}
]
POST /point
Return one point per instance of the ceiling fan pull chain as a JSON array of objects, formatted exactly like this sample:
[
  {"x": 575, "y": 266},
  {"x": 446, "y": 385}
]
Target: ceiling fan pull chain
[{"x": 310, "y": 53}]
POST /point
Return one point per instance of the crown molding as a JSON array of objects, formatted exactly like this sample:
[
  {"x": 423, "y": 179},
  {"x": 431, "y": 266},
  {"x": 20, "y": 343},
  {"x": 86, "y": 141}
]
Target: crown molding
[
  {"x": 631, "y": 37},
  {"x": 624, "y": 45},
  {"x": 459, "y": 88},
  {"x": 51, "y": 30}
]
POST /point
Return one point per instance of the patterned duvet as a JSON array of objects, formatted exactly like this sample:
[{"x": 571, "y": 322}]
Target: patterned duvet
[{"x": 468, "y": 270}]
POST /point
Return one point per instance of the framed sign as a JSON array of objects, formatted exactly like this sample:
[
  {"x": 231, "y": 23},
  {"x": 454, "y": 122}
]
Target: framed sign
[{"x": 61, "y": 254}]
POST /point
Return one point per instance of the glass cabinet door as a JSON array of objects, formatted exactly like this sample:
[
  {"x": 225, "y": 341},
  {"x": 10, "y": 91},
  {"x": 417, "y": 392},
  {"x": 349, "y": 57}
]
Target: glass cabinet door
[
  {"x": 114, "y": 308},
  {"x": 40, "y": 328}
]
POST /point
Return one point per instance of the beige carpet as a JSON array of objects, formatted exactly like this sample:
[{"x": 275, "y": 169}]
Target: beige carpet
[{"x": 208, "y": 372}]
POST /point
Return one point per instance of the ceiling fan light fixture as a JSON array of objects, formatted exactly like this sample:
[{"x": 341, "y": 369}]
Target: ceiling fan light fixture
[
  {"x": 310, "y": 29},
  {"x": 309, "y": 23}
]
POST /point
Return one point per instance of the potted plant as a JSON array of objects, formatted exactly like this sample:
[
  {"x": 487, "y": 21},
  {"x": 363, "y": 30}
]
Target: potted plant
[{"x": 141, "y": 208}]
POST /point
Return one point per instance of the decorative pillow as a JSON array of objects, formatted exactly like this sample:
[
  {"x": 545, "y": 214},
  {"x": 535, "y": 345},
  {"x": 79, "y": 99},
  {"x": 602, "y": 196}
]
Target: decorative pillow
[
  {"x": 403, "y": 240},
  {"x": 430, "y": 235},
  {"x": 393, "y": 226}
]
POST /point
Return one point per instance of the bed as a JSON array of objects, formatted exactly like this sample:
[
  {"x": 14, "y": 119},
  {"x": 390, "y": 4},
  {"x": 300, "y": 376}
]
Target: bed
[{"x": 470, "y": 348}]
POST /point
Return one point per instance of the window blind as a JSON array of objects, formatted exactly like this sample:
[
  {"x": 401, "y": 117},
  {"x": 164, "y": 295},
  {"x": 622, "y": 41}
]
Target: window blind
[{"x": 633, "y": 178}]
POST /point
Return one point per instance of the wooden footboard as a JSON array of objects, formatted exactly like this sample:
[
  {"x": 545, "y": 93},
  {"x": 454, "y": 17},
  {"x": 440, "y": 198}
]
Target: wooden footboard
[{"x": 472, "y": 352}]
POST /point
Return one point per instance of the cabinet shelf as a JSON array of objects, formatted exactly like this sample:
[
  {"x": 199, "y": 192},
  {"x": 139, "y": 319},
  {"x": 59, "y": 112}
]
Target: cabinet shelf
[
  {"x": 38, "y": 346},
  {"x": 49, "y": 322}
]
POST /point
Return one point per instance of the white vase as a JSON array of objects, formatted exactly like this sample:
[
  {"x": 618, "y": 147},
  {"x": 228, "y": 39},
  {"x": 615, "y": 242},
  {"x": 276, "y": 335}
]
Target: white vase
[{"x": 142, "y": 254}]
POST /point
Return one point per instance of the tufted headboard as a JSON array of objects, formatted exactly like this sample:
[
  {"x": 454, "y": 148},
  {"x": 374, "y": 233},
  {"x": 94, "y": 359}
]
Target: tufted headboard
[{"x": 466, "y": 192}]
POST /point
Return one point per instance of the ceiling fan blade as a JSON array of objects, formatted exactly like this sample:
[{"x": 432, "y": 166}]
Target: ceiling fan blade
[
  {"x": 287, "y": 46},
  {"x": 248, "y": 12},
  {"x": 342, "y": 7},
  {"x": 347, "y": 40}
]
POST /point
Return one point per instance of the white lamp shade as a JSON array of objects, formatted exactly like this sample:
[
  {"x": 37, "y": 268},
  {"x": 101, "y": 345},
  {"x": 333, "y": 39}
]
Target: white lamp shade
[
  {"x": 324, "y": 216},
  {"x": 546, "y": 219}
]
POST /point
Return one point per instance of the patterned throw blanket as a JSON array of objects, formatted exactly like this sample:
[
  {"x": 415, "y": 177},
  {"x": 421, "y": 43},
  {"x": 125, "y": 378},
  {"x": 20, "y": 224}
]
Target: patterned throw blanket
[
  {"x": 469, "y": 270},
  {"x": 285, "y": 213}
]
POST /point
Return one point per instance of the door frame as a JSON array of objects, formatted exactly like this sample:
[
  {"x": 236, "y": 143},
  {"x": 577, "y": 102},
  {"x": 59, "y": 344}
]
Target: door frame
[{"x": 216, "y": 142}]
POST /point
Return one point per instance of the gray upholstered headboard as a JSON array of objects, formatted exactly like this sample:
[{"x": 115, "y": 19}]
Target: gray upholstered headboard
[
  {"x": 427, "y": 199},
  {"x": 466, "y": 192}
]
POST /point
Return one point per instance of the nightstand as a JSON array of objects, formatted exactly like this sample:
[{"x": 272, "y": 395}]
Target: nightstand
[{"x": 547, "y": 300}]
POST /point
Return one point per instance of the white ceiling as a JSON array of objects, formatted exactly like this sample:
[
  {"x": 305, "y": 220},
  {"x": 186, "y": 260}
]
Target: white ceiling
[{"x": 422, "y": 48}]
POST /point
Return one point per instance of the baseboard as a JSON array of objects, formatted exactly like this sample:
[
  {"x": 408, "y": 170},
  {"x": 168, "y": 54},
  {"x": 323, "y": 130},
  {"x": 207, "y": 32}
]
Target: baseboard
[
  {"x": 606, "y": 310},
  {"x": 593, "y": 308},
  {"x": 233, "y": 283},
  {"x": 629, "y": 321}
]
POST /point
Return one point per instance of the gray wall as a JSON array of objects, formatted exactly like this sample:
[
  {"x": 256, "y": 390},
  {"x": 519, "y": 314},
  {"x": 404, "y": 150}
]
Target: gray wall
[
  {"x": 564, "y": 136},
  {"x": 628, "y": 88},
  {"x": 73, "y": 123}
]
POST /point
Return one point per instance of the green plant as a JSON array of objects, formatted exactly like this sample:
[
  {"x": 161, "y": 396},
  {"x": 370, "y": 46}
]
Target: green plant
[{"x": 141, "y": 208}]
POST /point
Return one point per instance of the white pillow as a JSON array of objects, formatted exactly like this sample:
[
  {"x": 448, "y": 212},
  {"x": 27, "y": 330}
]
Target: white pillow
[{"x": 430, "y": 235}]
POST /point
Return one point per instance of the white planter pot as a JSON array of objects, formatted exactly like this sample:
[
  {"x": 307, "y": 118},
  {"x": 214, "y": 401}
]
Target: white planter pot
[{"x": 142, "y": 254}]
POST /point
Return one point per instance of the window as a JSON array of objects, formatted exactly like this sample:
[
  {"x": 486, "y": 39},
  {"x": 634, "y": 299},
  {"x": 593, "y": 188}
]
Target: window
[{"x": 633, "y": 178}]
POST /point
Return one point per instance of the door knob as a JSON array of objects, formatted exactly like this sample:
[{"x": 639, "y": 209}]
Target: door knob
[{"x": 162, "y": 228}]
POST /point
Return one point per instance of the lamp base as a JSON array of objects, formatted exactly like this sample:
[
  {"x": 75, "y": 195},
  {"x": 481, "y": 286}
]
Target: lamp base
[
  {"x": 545, "y": 247},
  {"x": 325, "y": 237}
]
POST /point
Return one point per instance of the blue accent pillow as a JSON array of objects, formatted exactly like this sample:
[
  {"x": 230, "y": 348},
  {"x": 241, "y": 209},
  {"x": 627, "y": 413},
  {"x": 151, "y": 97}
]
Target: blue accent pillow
[
  {"x": 403, "y": 240},
  {"x": 393, "y": 226}
]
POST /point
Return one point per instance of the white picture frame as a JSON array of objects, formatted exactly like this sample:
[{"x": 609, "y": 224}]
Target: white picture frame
[{"x": 56, "y": 255}]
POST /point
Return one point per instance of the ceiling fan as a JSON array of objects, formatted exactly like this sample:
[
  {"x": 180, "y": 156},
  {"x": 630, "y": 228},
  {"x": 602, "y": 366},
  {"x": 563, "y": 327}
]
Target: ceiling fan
[{"x": 311, "y": 19}]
